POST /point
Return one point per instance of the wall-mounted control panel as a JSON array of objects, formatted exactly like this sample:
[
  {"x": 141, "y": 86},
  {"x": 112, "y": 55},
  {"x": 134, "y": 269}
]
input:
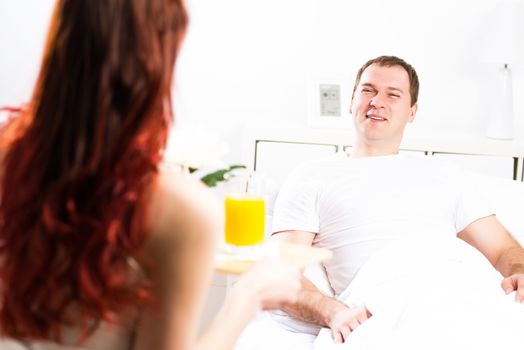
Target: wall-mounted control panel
[{"x": 329, "y": 100}]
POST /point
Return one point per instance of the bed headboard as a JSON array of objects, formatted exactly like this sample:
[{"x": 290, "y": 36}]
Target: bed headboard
[{"x": 277, "y": 151}]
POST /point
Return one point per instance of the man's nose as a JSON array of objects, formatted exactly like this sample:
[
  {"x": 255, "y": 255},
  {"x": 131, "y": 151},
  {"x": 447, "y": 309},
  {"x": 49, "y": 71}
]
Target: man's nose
[{"x": 378, "y": 101}]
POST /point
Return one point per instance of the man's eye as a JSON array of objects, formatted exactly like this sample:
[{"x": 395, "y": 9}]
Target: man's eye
[
  {"x": 394, "y": 95},
  {"x": 366, "y": 90}
]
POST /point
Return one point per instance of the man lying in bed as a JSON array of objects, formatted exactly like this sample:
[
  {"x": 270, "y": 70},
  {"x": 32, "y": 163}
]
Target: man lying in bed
[{"x": 359, "y": 205}]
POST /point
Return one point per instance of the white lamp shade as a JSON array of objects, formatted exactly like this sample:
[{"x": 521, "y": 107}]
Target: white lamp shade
[{"x": 504, "y": 41}]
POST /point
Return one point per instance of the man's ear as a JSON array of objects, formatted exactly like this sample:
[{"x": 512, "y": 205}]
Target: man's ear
[
  {"x": 414, "y": 109},
  {"x": 351, "y": 104}
]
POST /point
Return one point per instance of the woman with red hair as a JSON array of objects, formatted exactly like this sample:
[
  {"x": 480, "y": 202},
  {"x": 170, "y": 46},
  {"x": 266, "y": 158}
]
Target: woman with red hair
[{"x": 99, "y": 247}]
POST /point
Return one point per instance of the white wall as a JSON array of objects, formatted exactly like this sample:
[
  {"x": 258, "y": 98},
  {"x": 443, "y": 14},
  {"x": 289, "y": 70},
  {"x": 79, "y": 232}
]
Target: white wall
[
  {"x": 23, "y": 28},
  {"x": 249, "y": 62},
  {"x": 244, "y": 62},
  {"x": 440, "y": 38}
]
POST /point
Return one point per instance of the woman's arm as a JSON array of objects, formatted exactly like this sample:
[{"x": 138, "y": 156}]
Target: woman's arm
[
  {"x": 185, "y": 228},
  {"x": 268, "y": 285},
  {"x": 188, "y": 222}
]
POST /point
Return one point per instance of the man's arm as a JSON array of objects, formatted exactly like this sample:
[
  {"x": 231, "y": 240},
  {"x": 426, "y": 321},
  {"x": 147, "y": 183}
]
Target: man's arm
[
  {"x": 314, "y": 307},
  {"x": 501, "y": 249}
]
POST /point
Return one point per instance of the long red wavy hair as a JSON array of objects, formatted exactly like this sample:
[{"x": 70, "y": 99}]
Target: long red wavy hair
[{"x": 77, "y": 162}]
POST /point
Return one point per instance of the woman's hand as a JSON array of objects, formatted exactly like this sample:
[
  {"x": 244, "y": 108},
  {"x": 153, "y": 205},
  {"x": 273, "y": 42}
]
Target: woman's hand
[{"x": 270, "y": 283}]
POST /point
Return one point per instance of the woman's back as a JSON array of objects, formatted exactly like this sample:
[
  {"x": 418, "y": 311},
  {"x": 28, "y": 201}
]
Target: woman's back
[
  {"x": 97, "y": 243},
  {"x": 184, "y": 220},
  {"x": 79, "y": 162}
]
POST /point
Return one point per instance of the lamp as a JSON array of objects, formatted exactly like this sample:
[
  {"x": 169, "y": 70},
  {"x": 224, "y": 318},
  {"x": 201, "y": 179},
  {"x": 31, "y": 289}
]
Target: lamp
[{"x": 504, "y": 44}]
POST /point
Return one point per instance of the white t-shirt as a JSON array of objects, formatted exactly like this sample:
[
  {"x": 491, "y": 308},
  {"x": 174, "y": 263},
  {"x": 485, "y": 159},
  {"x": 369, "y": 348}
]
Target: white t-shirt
[{"x": 358, "y": 206}]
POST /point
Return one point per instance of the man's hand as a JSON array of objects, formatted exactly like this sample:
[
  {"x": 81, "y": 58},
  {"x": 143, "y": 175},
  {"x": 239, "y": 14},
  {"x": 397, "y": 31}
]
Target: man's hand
[
  {"x": 344, "y": 321},
  {"x": 512, "y": 283}
]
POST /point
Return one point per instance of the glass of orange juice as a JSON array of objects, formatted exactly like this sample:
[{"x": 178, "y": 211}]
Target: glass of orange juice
[{"x": 245, "y": 210}]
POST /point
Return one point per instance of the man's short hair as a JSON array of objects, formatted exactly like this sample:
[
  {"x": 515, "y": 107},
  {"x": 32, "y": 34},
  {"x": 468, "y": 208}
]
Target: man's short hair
[{"x": 390, "y": 61}]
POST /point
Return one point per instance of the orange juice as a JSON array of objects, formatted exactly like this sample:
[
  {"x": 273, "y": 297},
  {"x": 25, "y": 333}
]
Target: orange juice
[{"x": 244, "y": 220}]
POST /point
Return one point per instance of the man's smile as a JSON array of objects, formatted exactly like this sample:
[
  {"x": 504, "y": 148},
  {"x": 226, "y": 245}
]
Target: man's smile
[{"x": 375, "y": 117}]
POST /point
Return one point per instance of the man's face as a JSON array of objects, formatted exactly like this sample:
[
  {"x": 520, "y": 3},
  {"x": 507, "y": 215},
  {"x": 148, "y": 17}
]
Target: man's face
[{"x": 381, "y": 105}]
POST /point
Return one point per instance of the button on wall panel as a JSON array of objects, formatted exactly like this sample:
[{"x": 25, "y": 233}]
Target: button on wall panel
[{"x": 329, "y": 100}]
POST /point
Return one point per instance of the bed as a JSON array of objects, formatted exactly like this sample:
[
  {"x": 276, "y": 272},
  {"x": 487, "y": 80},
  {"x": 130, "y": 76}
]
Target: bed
[{"x": 404, "y": 318}]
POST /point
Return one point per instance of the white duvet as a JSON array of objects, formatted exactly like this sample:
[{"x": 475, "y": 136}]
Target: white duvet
[{"x": 431, "y": 295}]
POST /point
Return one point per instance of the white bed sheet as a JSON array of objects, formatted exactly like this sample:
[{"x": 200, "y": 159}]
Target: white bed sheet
[
  {"x": 431, "y": 295},
  {"x": 423, "y": 295}
]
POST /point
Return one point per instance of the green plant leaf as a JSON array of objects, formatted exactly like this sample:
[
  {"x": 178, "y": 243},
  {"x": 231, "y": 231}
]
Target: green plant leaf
[{"x": 215, "y": 177}]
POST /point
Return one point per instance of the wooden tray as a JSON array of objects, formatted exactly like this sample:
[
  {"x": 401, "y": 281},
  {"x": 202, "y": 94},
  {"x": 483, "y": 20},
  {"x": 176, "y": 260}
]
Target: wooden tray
[{"x": 298, "y": 254}]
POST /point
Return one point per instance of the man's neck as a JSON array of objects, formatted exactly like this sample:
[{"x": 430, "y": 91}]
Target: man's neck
[{"x": 373, "y": 149}]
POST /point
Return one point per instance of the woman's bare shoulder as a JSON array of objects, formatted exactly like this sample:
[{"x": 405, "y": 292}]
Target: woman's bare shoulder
[{"x": 180, "y": 203}]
